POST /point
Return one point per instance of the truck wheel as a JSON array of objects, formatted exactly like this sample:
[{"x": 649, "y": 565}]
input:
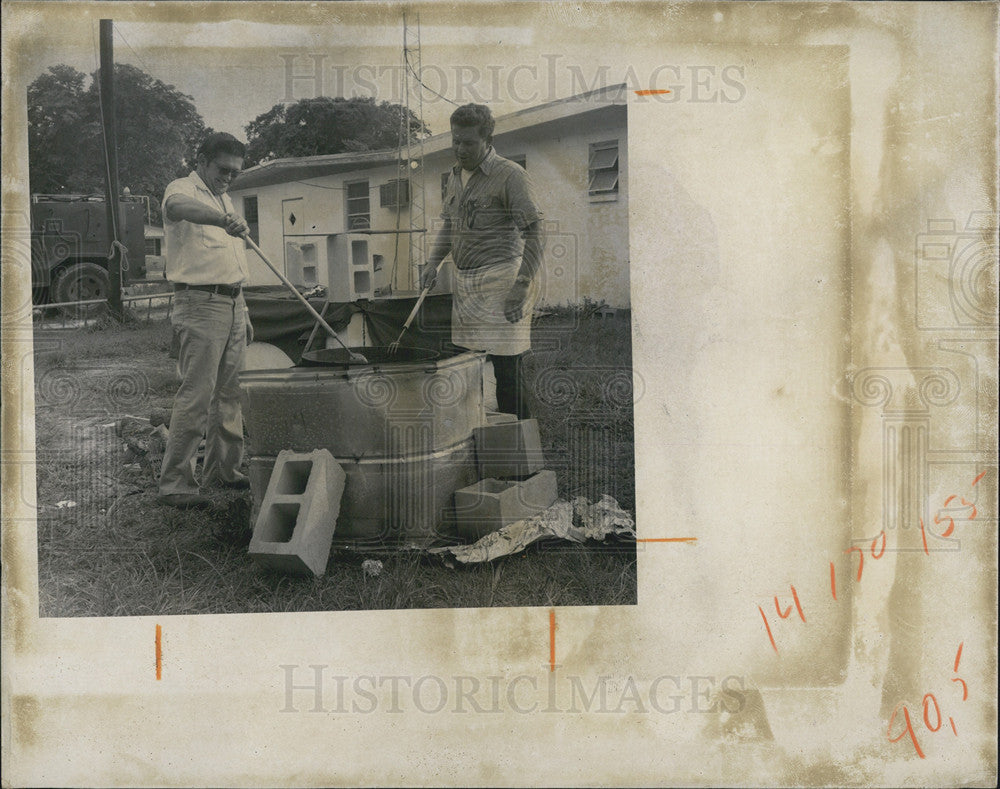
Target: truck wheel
[{"x": 81, "y": 282}]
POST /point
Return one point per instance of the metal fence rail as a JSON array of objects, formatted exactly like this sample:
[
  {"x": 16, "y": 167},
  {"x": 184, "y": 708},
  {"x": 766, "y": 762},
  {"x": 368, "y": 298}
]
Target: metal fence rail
[{"x": 82, "y": 313}]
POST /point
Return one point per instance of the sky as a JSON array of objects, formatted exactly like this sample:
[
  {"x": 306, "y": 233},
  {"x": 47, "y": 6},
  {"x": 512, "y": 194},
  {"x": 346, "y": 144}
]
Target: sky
[{"x": 237, "y": 68}]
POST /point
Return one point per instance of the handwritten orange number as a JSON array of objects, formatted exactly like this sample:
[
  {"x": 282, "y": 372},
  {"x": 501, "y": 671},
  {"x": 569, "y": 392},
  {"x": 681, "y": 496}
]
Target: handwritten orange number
[
  {"x": 882, "y": 549},
  {"x": 788, "y": 611},
  {"x": 937, "y": 712},
  {"x": 769, "y": 634},
  {"x": 861, "y": 559},
  {"x": 909, "y": 729}
]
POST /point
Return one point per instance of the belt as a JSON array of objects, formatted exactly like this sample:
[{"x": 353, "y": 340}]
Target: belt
[{"x": 223, "y": 290}]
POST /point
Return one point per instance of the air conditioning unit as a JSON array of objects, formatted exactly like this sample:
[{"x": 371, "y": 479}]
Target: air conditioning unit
[{"x": 395, "y": 193}]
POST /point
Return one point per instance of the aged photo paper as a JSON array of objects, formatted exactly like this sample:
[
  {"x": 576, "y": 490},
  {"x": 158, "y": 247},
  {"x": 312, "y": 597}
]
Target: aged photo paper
[{"x": 812, "y": 277}]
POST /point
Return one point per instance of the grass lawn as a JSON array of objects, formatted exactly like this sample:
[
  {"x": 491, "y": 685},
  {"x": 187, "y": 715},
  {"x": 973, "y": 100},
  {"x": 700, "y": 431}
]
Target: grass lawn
[{"x": 106, "y": 548}]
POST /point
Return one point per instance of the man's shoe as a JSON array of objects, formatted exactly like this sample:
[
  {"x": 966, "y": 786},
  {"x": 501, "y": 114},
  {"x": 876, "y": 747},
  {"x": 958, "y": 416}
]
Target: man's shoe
[
  {"x": 242, "y": 482},
  {"x": 184, "y": 501}
]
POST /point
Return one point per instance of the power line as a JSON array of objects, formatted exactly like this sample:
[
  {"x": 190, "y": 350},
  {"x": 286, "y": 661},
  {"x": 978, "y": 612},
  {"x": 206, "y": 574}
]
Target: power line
[
  {"x": 406, "y": 57},
  {"x": 145, "y": 68}
]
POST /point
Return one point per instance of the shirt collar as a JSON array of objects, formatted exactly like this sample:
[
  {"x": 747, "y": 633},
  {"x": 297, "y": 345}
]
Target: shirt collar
[
  {"x": 486, "y": 165},
  {"x": 200, "y": 184}
]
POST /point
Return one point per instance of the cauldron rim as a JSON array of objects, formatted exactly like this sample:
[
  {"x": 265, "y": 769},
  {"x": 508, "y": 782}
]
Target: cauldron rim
[{"x": 375, "y": 355}]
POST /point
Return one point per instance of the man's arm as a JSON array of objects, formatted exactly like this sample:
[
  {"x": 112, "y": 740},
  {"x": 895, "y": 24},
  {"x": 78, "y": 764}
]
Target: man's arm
[
  {"x": 183, "y": 208},
  {"x": 531, "y": 261},
  {"x": 439, "y": 250},
  {"x": 534, "y": 245}
]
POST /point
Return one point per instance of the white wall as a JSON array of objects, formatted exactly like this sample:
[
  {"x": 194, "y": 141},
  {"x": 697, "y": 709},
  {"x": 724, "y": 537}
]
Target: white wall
[{"x": 586, "y": 244}]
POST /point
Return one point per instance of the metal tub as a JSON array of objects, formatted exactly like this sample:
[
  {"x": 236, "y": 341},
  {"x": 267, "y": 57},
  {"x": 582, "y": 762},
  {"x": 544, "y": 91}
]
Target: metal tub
[
  {"x": 359, "y": 411},
  {"x": 405, "y": 502},
  {"x": 401, "y": 431}
]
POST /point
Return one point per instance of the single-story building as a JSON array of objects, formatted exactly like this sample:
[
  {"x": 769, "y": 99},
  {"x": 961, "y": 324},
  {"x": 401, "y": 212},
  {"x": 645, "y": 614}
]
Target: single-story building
[
  {"x": 154, "y": 239},
  {"x": 332, "y": 220}
]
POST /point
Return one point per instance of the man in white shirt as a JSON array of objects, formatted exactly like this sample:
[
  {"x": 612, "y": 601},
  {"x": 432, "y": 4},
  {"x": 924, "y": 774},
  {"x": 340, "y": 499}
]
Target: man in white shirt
[{"x": 206, "y": 263}]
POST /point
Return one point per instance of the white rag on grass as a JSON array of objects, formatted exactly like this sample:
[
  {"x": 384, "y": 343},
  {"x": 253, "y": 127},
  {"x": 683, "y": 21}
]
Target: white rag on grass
[{"x": 599, "y": 521}]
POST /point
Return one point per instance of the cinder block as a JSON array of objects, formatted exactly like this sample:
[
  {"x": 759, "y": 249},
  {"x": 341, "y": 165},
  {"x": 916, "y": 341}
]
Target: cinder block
[
  {"x": 509, "y": 450},
  {"x": 499, "y": 418},
  {"x": 298, "y": 515},
  {"x": 493, "y": 503}
]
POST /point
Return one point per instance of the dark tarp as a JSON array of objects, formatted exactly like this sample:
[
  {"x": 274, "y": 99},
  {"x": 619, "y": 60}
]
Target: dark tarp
[{"x": 280, "y": 319}]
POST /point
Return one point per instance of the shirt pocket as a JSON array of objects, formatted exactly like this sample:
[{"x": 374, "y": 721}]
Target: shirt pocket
[{"x": 487, "y": 212}]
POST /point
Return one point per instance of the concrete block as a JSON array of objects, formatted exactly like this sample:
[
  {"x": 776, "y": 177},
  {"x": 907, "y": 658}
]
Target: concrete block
[
  {"x": 297, "y": 517},
  {"x": 499, "y": 418},
  {"x": 493, "y": 503},
  {"x": 509, "y": 449}
]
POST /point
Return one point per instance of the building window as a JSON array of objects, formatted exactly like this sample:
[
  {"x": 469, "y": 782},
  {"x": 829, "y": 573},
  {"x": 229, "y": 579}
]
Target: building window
[
  {"x": 359, "y": 212},
  {"x": 395, "y": 193},
  {"x": 153, "y": 246},
  {"x": 250, "y": 215},
  {"x": 603, "y": 171}
]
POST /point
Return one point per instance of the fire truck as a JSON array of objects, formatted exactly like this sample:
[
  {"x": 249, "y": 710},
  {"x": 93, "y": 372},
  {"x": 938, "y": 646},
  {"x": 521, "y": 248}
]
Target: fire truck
[{"x": 71, "y": 242}]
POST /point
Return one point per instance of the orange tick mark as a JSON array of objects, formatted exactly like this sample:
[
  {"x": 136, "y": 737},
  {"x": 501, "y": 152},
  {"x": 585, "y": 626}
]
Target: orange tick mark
[
  {"x": 552, "y": 639},
  {"x": 159, "y": 652},
  {"x": 650, "y": 92},
  {"x": 833, "y": 581},
  {"x": 958, "y": 655},
  {"x": 978, "y": 478}
]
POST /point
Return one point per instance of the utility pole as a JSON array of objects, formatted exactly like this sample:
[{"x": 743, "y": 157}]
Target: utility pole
[{"x": 107, "y": 84}]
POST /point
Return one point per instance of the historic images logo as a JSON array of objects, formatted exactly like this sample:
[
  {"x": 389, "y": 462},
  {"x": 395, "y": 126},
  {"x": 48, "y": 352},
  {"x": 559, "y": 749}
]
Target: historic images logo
[
  {"x": 956, "y": 276},
  {"x": 315, "y": 688},
  {"x": 310, "y": 76}
]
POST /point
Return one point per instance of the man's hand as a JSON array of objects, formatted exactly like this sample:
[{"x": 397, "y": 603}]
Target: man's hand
[
  {"x": 428, "y": 276},
  {"x": 234, "y": 224},
  {"x": 514, "y": 304}
]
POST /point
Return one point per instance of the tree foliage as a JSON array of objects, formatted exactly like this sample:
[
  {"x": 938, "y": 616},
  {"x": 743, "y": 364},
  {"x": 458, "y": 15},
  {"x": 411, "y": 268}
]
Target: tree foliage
[
  {"x": 325, "y": 125},
  {"x": 158, "y": 129},
  {"x": 57, "y": 115}
]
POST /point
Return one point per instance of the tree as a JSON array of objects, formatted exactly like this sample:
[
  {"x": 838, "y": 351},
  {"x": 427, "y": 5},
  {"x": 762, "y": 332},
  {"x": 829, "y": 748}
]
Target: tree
[
  {"x": 56, "y": 117},
  {"x": 326, "y": 125},
  {"x": 158, "y": 128}
]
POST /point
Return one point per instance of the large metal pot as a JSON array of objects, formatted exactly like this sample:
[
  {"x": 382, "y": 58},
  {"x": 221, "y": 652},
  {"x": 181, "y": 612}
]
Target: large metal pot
[
  {"x": 356, "y": 411},
  {"x": 402, "y": 431},
  {"x": 374, "y": 356},
  {"x": 404, "y": 502}
]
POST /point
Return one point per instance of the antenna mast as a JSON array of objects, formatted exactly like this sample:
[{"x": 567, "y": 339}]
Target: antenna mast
[{"x": 412, "y": 68}]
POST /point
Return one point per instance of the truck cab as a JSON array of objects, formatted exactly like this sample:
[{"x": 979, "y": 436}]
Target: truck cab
[{"x": 71, "y": 241}]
